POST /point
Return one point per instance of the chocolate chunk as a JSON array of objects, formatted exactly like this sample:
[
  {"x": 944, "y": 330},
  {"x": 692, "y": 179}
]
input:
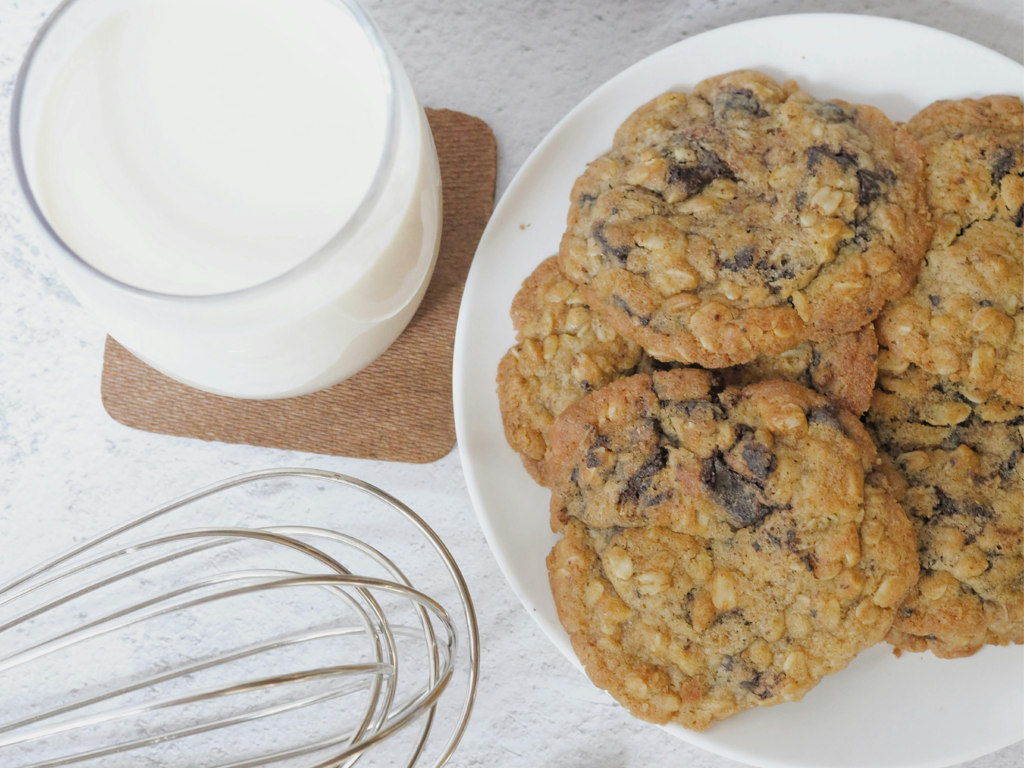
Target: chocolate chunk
[
  {"x": 638, "y": 485},
  {"x": 831, "y": 112},
  {"x": 575, "y": 475},
  {"x": 815, "y": 359},
  {"x": 983, "y": 303},
  {"x": 826, "y": 414},
  {"x": 759, "y": 460},
  {"x": 947, "y": 506},
  {"x": 1018, "y": 218},
  {"x": 620, "y": 253},
  {"x": 620, "y": 303},
  {"x": 1002, "y": 165},
  {"x": 761, "y": 685},
  {"x": 791, "y": 539},
  {"x": 818, "y": 153},
  {"x": 740, "y": 100},
  {"x": 935, "y": 300},
  {"x": 1006, "y": 469},
  {"x": 953, "y": 440},
  {"x": 707, "y": 473},
  {"x": 701, "y": 409},
  {"x": 586, "y": 199},
  {"x": 775, "y": 272},
  {"x": 739, "y": 497},
  {"x": 870, "y": 185},
  {"x": 743, "y": 259},
  {"x": 694, "y": 178},
  {"x": 863, "y": 232},
  {"x": 730, "y": 616},
  {"x": 801, "y": 200}
]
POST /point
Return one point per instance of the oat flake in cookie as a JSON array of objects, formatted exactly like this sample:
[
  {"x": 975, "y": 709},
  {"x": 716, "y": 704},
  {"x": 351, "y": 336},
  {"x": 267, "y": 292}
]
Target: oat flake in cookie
[
  {"x": 965, "y": 316},
  {"x": 745, "y": 218},
  {"x": 721, "y": 550},
  {"x": 961, "y": 479},
  {"x": 564, "y": 350}
]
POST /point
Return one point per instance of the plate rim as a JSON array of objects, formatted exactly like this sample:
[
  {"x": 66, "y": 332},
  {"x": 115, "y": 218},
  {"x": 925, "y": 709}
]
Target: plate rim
[{"x": 460, "y": 369}]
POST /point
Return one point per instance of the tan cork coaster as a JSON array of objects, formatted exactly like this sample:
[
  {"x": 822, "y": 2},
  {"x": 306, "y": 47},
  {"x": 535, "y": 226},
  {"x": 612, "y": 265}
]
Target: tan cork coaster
[{"x": 397, "y": 409}]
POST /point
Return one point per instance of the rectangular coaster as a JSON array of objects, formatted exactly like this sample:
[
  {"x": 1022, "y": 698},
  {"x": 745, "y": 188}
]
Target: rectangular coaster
[{"x": 397, "y": 409}]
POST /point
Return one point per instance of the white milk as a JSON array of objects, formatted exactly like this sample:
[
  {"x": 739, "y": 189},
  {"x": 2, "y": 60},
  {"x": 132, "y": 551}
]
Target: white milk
[
  {"x": 232, "y": 158},
  {"x": 204, "y": 146}
]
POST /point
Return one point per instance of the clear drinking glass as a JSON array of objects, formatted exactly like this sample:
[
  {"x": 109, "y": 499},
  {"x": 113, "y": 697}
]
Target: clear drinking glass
[{"x": 306, "y": 329}]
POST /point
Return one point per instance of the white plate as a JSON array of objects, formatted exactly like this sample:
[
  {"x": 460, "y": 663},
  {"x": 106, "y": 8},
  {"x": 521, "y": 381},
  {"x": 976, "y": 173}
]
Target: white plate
[{"x": 917, "y": 711}]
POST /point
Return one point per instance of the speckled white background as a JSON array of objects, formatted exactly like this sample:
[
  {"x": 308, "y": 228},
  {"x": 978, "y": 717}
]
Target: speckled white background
[{"x": 66, "y": 469}]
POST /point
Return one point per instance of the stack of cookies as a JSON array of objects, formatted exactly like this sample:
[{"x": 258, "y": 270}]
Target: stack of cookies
[
  {"x": 774, "y": 381},
  {"x": 949, "y": 403}
]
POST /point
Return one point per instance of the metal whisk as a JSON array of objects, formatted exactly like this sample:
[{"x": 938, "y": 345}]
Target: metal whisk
[{"x": 237, "y": 646}]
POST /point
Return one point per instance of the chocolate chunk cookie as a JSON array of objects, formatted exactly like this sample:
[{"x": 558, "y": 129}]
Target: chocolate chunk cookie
[
  {"x": 722, "y": 549},
  {"x": 965, "y": 317},
  {"x": 959, "y": 453},
  {"x": 565, "y": 350},
  {"x": 744, "y": 218}
]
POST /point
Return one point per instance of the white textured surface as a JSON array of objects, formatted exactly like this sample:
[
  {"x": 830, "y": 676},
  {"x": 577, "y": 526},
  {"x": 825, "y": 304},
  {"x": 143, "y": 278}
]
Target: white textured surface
[{"x": 67, "y": 470}]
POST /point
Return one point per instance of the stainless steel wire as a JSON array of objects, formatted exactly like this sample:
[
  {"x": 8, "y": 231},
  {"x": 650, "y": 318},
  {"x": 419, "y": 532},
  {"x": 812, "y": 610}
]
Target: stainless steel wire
[{"x": 121, "y": 594}]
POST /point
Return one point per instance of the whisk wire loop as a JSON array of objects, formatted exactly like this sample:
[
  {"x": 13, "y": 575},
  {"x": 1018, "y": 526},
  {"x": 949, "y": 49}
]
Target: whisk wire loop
[{"x": 101, "y": 569}]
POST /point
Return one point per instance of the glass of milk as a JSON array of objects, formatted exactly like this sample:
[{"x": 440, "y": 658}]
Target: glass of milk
[{"x": 245, "y": 193}]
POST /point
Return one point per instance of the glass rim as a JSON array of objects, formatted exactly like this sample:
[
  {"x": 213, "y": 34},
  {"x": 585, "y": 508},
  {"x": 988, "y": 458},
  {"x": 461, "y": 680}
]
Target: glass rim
[{"x": 342, "y": 235}]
